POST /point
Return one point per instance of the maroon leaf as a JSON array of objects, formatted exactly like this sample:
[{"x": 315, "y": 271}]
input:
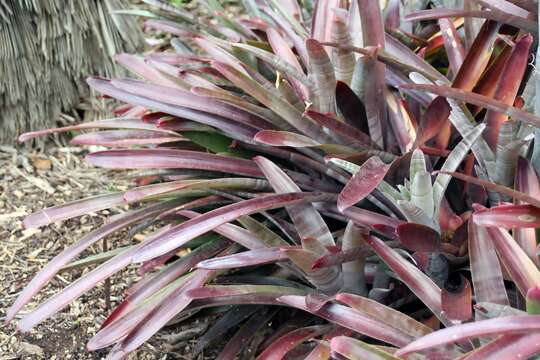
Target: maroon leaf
[
  {"x": 527, "y": 182},
  {"x": 189, "y": 100},
  {"x": 72, "y": 209},
  {"x": 495, "y": 187},
  {"x": 281, "y": 346},
  {"x": 342, "y": 131},
  {"x": 247, "y": 238},
  {"x": 509, "y": 216},
  {"x": 352, "y": 109},
  {"x": 190, "y": 229},
  {"x": 284, "y": 138},
  {"x": 519, "y": 266},
  {"x": 119, "y": 123},
  {"x": 509, "y": 347},
  {"x": 75, "y": 289},
  {"x": 171, "y": 158},
  {"x": 124, "y": 138},
  {"x": 456, "y": 299},
  {"x": 164, "y": 312},
  {"x": 507, "y": 88},
  {"x": 392, "y": 317},
  {"x": 137, "y": 65},
  {"x": 374, "y": 83},
  {"x": 146, "y": 288},
  {"x": 434, "y": 118},
  {"x": 502, "y": 325},
  {"x": 477, "y": 99},
  {"x": 48, "y": 272},
  {"x": 418, "y": 237},
  {"x": 362, "y": 217},
  {"x": 244, "y": 259},
  {"x": 418, "y": 282},
  {"x": 282, "y": 49},
  {"x": 309, "y": 223},
  {"x": 452, "y": 44},
  {"x": 486, "y": 270},
  {"x": 347, "y": 317},
  {"x": 369, "y": 176},
  {"x": 341, "y": 257},
  {"x": 493, "y": 15},
  {"x": 234, "y": 129},
  {"x": 355, "y": 349}
]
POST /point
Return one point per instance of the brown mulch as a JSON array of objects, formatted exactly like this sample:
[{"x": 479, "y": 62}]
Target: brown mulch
[{"x": 30, "y": 181}]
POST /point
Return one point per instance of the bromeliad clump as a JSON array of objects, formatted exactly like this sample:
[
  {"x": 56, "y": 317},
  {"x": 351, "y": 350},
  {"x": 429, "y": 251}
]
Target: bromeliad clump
[{"x": 370, "y": 170}]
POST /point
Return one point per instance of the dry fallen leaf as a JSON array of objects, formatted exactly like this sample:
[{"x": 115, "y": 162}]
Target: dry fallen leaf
[{"x": 41, "y": 164}]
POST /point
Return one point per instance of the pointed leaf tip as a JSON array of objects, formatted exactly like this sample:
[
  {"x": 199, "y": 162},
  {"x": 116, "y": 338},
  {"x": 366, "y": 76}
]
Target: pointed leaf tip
[{"x": 364, "y": 181}]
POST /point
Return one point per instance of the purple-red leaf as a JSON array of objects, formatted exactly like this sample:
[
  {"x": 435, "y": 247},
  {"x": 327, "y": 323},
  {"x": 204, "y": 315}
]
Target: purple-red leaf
[
  {"x": 72, "y": 209},
  {"x": 247, "y": 258},
  {"x": 486, "y": 270},
  {"x": 355, "y": 349},
  {"x": 374, "y": 83},
  {"x": 341, "y": 257},
  {"x": 75, "y": 289},
  {"x": 509, "y": 216},
  {"x": 456, "y": 300},
  {"x": 234, "y": 129},
  {"x": 119, "y": 123},
  {"x": 452, "y": 44},
  {"x": 502, "y": 325},
  {"x": 172, "y": 159},
  {"x": 369, "y": 176},
  {"x": 519, "y": 266},
  {"x": 493, "y": 15},
  {"x": 281, "y": 346},
  {"x": 149, "y": 286},
  {"x": 47, "y": 273},
  {"x": 527, "y": 182},
  {"x": 362, "y": 217},
  {"x": 418, "y": 237},
  {"x": 124, "y": 138},
  {"x": 508, "y": 347},
  {"x": 433, "y": 120},
  {"x": 351, "y": 319},
  {"x": 190, "y": 229},
  {"x": 394, "y": 318},
  {"x": 164, "y": 312},
  {"x": 507, "y": 88},
  {"x": 343, "y": 132},
  {"x": 477, "y": 99},
  {"x": 495, "y": 187},
  {"x": 189, "y": 100},
  {"x": 284, "y": 138},
  {"x": 418, "y": 282},
  {"x": 309, "y": 223}
]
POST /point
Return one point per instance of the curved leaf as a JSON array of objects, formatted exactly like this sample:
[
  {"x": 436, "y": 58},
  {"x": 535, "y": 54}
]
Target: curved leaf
[
  {"x": 181, "y": 234},
  {"x": 503, "y": 325}
]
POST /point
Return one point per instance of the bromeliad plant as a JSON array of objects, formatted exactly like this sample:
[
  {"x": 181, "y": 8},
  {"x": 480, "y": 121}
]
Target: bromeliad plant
[{"x": 306, "y": 155}]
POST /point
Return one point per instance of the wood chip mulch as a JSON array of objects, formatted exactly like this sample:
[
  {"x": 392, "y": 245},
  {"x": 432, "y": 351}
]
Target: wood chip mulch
[{"x": 30, "y": 181}]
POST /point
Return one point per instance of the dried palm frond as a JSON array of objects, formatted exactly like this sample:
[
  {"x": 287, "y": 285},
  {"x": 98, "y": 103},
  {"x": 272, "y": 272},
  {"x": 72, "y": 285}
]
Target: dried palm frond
[{"x": 47, "y": 47}]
